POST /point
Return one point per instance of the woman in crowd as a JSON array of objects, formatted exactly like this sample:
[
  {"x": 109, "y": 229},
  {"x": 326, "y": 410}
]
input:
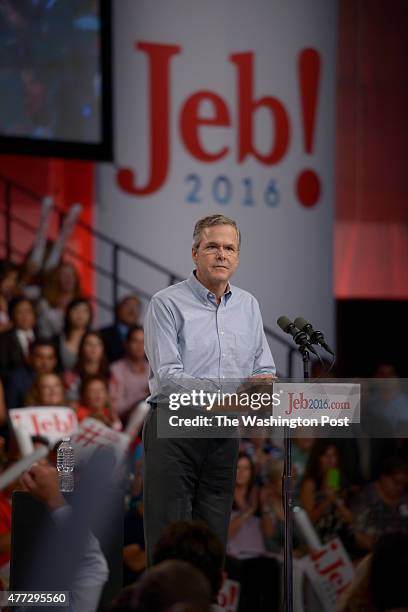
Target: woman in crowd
[
  {"x": 47, "y": 390},
  {"x": 78, "y": 319},
  {"x": 61, "y": 286},
  {"x": 262, "y": 451},
  {"x": 245, "y": 520},
  {"x": 95, "y": 402},
  {"x": 322, "y": 493},
  {"x": 91, "y": 361},
  {"x": 251, "y": 521},
  {"x": 130, "y": 375},
  {"x": 382, "y": 506}
]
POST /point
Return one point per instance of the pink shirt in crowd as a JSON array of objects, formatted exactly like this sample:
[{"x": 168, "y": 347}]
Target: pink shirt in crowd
[{"x": 127, "y": 387}]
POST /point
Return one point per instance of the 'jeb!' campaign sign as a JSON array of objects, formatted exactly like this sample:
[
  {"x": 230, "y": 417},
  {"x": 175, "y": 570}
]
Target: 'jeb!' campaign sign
[
  {"x": 93, "y": 435},
  {"x": 52, "y": 422},
  {"x": 228, "y": 597},
  {"x": 330, "y": 571},
  {"x": 226, "y": 107}
]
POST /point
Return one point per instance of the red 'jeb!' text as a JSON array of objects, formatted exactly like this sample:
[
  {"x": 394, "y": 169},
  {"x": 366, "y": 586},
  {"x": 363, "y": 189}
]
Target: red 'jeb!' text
[
  {"x": 191, "y": 122},
  {"x": 50, "y": 424}
]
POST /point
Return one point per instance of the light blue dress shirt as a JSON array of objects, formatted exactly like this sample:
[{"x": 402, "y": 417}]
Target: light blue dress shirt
[{"x": 188, "y": 336}]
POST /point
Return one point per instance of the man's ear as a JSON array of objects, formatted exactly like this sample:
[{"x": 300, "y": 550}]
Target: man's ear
[{"x": 194, "y": 253}]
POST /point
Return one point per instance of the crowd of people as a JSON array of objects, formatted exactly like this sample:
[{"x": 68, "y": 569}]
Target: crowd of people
[{"x": 52, "y": 355}]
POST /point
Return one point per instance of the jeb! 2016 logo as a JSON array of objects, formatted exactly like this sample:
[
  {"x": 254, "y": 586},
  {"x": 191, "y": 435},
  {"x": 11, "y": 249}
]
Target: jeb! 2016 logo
[{"x": 191, "y": 122}]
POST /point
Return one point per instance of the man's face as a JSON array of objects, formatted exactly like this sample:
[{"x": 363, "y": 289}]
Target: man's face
[
  {"x": 217, "y": 256},
  {"x": 129, "y": 311},
  {"x": 23, "y": 315},
  {"x": 395, "y": 484},
  {"x": 43, "y": 360}
]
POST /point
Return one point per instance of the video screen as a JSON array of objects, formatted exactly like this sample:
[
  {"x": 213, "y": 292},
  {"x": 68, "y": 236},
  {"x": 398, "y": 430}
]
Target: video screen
[{"x": 51, "y": 70}]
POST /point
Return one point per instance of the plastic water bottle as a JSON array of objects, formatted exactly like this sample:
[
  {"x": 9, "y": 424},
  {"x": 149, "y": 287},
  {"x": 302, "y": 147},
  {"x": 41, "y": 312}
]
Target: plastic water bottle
[{"x": 65, "y": 466}]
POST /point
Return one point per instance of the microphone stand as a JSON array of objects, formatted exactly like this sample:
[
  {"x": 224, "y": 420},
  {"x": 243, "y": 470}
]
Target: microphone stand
[{"x": 288, "y": 498}]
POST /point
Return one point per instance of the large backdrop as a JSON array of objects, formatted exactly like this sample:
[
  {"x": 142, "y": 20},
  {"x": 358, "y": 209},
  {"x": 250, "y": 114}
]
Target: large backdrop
[{"x": 226, "y": 107}]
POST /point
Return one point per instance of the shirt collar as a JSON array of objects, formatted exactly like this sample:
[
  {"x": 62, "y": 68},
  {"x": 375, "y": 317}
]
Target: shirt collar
[
  {"x": 25, "y": 333},
  {"x": 202, "y": 292},
  {"x": 25, "y": 337}
]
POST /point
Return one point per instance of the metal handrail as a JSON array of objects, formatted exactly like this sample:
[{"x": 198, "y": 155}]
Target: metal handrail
[
  {"x": 96, "y": 233},
  {"x": 117, "y": 249}
]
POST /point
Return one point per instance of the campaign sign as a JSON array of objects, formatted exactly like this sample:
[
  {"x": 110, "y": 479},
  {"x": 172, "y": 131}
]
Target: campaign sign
[
  {"x": 93, "y": 435},
  {"x": 228, "y": 597},
  {"x": 52, "y": 422},
  {"x": 330, "y": 572}
]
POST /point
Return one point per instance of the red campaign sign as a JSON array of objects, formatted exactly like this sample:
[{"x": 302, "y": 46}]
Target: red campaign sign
[
  {"x": 90, "y": 435},
  {"x": 52, "y": 422},
  {"x": 228, "y": 597},
  {"x": 330, "y": 571},
  {"x": 93, "y": 435},
  {"x": 159, "y": 56}
]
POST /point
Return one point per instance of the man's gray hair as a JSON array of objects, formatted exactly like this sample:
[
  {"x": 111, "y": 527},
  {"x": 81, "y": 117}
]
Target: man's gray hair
[{"x": 210, "y": 222}]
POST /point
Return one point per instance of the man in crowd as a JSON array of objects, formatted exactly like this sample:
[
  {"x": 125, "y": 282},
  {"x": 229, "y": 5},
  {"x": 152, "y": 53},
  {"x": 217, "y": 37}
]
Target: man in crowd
[
  {"x": 42, "y": 360},
  {"x": 15, "y": 343},
  {"x": 201, "y": 328},
  {"x": 127, "y": 314}
]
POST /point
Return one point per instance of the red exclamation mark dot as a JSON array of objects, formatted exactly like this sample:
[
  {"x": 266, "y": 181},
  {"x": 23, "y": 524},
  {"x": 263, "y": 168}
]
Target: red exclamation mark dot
[{"x": 308, "y": 182}]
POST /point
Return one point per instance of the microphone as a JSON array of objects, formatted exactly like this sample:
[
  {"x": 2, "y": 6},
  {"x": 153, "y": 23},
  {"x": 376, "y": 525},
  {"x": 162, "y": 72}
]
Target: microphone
[
  {"x": 316, "y": 336},
  {"x": 299, "y": 337}
]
